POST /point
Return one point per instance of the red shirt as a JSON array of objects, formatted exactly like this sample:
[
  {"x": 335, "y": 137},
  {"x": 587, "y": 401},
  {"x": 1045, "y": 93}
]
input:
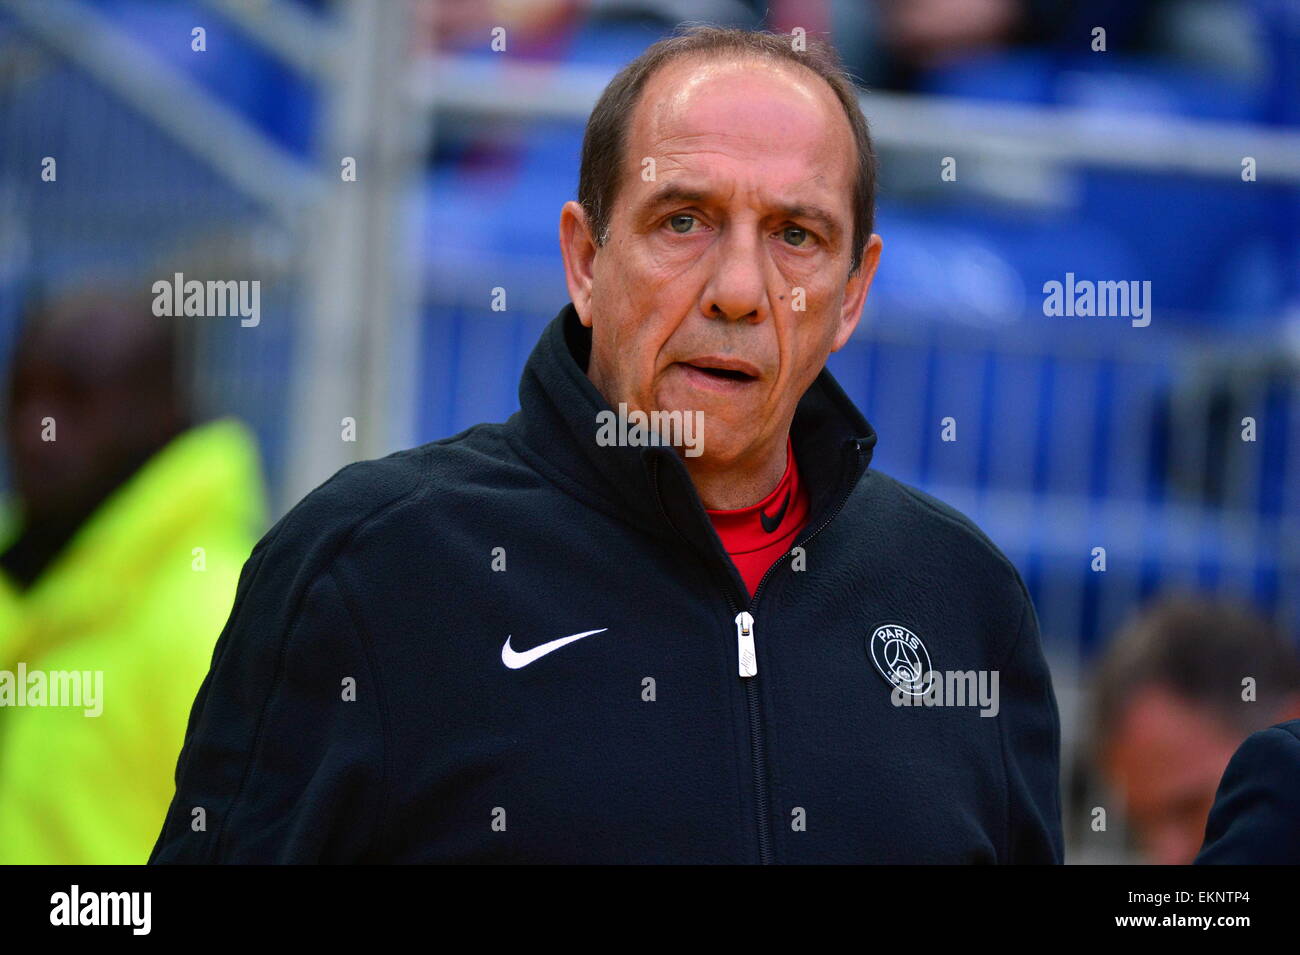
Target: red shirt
[{"x": 754, "y": 537}]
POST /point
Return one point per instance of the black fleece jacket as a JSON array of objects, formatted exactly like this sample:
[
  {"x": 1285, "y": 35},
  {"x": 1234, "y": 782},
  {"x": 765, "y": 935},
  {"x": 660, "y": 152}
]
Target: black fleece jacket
[{"x": 373, "y": 697}]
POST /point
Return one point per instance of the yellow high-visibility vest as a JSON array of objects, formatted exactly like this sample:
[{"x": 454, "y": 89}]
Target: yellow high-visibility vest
[{"x": 135, "y": 602}]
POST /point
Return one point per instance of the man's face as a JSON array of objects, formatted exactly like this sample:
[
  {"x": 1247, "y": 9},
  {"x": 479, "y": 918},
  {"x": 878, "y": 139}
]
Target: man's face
[
  {"x": 724, "y": 282},
  {"x": 97, "y": 373},
  {"x": 1166, "y": 758}
]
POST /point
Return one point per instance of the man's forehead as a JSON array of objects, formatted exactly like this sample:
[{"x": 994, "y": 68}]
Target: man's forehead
[
  {"x": 693, "y": 114},
  {"x": 745, "y": 103}
]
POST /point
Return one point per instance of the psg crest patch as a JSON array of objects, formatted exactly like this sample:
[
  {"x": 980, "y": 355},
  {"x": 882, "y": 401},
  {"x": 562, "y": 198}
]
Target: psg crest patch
[{"x": 901, "y": 658}]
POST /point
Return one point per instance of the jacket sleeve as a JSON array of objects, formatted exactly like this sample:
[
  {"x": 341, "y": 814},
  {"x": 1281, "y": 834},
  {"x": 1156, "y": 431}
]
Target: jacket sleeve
[
  {"x": 283, "y": 759},
  {"x": 1031, "y": 749},
  {"x": 1256, "y": 815}
]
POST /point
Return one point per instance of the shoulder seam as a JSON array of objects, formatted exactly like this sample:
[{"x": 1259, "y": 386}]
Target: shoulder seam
[
  {"x": 965, "y": 524},
  {"x": 326, "y": 570},
  {"x": 1002, "y": 738},
  {"x": 367, "y": 650}
]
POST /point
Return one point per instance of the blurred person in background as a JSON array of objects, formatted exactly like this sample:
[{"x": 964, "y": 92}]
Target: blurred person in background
[
  {"x": 533, "y": 29},
  {"x": 119, "y": 553},
  {"x": 902, "y": 44},
  {"x": 1170, "y": 708}
]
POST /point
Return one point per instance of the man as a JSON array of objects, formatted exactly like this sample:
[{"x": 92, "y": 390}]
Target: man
[
  {"x": 1179, "y": 689},
  {"x": 119, "y": 565},
  {"x": 1255, "y": 819},
  {"x": 529, "y": 642}
]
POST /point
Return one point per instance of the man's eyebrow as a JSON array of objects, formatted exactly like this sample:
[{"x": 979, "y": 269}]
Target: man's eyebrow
[
  {"x": 676, "y": 192},
  {"x": 816, "y": 213}
]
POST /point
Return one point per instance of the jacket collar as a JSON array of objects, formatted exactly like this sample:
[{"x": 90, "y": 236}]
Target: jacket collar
[{"x": 649, "y": 486}]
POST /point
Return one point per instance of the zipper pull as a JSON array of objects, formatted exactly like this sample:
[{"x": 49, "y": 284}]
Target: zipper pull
[{"x": 745, "y": 644}]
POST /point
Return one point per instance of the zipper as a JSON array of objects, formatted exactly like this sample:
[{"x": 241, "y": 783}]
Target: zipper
[
  {"x": 747, "y": 663},
  {"x": 745, "y": 644},
  {"x": 747, "y": 667}
]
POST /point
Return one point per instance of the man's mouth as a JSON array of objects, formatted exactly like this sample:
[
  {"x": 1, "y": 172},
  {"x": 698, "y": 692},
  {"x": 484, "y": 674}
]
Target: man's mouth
[{"x": 723, "y": 369}]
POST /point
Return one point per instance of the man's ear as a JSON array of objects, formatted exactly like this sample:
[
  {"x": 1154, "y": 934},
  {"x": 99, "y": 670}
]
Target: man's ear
[
  {"x": 855, "y": 291},
  {"x": 578, "y": 248}
]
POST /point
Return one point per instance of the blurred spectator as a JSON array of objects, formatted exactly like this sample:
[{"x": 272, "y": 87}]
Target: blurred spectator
[
  {"x": 904, "y": 40},
  {"x": 125, "y": 540},
  {"x": 931, "y": 32},
  {"x": 532, "y": 29},
  {"x": 1170, "y": 709},
  {"x": 546, "y": 29}
]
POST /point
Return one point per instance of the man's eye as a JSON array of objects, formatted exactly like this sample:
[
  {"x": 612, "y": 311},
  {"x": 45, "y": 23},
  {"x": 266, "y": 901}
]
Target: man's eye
[
  {"x": 683, "y": 220},
  {"x": 796, "y": 236}
]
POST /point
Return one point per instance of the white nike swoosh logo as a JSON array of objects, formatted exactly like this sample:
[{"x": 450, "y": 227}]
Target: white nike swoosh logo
[{"x": 514, "y": 660}]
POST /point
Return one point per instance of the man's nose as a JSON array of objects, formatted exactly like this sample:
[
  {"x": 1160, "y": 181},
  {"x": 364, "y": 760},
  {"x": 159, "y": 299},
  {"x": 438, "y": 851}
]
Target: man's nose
[{"x": 736, "y": 291}]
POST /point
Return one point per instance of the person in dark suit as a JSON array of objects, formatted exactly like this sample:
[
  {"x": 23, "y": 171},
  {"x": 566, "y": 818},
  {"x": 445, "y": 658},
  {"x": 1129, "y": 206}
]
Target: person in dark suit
[
  {"x": 1255, "y": 819},
  {"x": 1180, "y": 687}
]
